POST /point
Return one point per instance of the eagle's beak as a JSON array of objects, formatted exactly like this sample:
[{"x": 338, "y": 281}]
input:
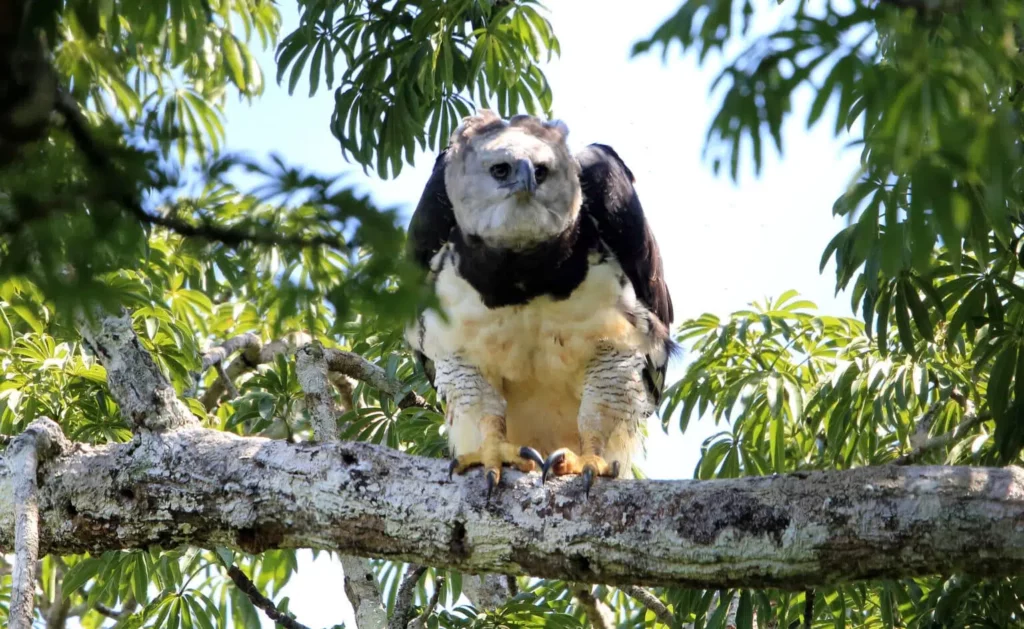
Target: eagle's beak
[{"x": 524, "y": 182}]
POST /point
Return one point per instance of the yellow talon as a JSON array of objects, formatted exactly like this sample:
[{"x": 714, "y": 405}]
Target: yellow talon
[{"x": 493, "y": 453}]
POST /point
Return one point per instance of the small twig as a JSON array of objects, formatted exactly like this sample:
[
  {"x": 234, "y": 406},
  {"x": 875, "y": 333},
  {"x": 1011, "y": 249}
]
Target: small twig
[
  {"x": 808, "y": 608},
  {"x": 403, "y": 601},
  {"x": 651, "y": 602},
  {"x": 940, "y": 441},
  {"x": 597, "y": 611},
  {"x": 228, "y": 384},
  {"x": 420, "y": 622},
  {"x": 248, "y": 588},
  {"x": 42, "y": 440}
]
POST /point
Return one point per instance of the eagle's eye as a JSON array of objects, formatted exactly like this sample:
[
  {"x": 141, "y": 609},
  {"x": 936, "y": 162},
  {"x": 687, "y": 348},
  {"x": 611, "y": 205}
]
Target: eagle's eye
[
  {"x": 540, "y": 174},
  {"x": 501, "y": 171}
]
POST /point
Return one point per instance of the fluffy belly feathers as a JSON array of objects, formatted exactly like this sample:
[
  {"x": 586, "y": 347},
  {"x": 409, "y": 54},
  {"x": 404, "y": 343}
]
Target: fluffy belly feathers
[{"x": 535, "y": 355}]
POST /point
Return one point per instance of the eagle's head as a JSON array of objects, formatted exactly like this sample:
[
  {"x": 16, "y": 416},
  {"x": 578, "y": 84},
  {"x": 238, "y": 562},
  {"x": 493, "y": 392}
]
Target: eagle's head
[{"x": 512, "y": 183}]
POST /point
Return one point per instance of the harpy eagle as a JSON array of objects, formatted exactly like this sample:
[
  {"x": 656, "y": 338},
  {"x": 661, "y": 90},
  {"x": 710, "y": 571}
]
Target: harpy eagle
[{"x": 556, "y": 340}]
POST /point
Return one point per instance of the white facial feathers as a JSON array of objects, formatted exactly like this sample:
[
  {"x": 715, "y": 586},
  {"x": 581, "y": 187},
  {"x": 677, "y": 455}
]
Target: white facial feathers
[{"x": 512, "y": 183}]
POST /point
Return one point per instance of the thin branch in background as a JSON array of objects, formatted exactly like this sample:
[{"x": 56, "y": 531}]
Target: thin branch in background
[
  {"x": 969, "y": 422},
  {"x": 253, "y": 354},
  {"x": 98, "y": 158},
  {"x": 228, "y": 384},
  {"x": 808, "y": 608},
  {"x": 403, "y": 601},
  {"x": 420, "y": 622},
  {"x": 109, "y": 612},
  {"x": 355, "y": 366},
  {"x": 652, "y": 603},
  {"x": 598, "y": 613},
  {"x": 248, "y": 588},
  {"x": 924, "y": 423}
]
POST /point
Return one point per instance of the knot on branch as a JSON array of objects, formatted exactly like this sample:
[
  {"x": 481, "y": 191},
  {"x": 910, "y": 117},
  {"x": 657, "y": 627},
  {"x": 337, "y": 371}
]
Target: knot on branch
[
  {"x": 44, "y": 436},
  {"x": 144, "y": 393}
]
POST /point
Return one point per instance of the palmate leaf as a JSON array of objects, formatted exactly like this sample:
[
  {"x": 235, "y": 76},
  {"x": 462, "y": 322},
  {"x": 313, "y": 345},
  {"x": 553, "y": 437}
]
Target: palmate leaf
[{"x": 453, "y": 51}]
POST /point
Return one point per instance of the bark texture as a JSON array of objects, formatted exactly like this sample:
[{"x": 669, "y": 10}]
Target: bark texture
[
  {"x": 205, "y": 488},
  {"x": 145, "y": 395},
  {"x": 43, "y": 439}
]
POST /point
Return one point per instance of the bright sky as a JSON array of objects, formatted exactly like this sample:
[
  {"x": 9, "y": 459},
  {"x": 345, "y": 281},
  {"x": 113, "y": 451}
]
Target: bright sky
[{"x": 724, "y": 245}]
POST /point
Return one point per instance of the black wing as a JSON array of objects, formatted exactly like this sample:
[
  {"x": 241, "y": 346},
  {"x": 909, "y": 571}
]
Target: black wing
[
  {"x": 429, "y": 229},
  {"x": 611, "y": 201},
  {"x": 432, "y": 221}
]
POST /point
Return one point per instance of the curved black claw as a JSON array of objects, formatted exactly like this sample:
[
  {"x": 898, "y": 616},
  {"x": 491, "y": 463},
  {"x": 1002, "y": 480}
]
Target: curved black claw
[
  {"x": 531, "y": 455},
  {"x": 588, "y": 479},
  {"x": 492, "y": 480},
  {"x": 588, "y": 476},
  {"x": 451, "y": 468},
  {"x": 556, "y": 457}
]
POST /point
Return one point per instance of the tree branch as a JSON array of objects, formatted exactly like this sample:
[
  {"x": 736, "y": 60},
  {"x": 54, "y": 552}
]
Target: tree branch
[
  {"x": 597, "y": 611},
  {"x": 39, "y": 442},
  {"x": 360, "y": 584},
  {"x": 208, "y": 488},
  {"x": 246, "y": 585},
  {"x": 652, "y": 603},
  {"x": 145, "y": 395},
  {"x": 403, "y": 600},
  {"x": 486, "y": 591},
  {"x": 254, "y": 354},
  {"x": 355, "y": 366},
  {"x": 970, "y": 421},
  {"x": 420, "y": 622}
]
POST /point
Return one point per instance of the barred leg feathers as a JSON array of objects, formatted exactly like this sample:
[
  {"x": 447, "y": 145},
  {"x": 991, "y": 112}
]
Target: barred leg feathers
[
  {"x": 615, "y": 402},
  {"x": 476, "y": 424}
]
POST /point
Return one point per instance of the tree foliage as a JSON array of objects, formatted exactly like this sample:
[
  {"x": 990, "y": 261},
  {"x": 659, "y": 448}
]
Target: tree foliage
[{"x": 119, "y": 194}]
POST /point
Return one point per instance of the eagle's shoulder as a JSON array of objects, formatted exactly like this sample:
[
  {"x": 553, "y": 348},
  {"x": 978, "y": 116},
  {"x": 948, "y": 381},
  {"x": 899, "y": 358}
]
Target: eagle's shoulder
[
  {"x": 433, "y": 219},
  {"x": 611, "y": 202}
]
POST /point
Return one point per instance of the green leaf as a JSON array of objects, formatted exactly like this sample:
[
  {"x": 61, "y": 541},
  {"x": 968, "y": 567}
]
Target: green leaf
[
  {"x": 999, "y": 379},
  {"x": 79, "y": 574}
]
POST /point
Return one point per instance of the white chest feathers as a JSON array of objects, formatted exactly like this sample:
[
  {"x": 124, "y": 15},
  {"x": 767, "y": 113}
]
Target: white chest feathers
[{"x": 546, "y": 341}]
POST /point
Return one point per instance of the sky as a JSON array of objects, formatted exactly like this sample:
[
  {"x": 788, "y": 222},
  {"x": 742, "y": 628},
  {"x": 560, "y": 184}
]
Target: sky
[{"x": 724, "y": 244}]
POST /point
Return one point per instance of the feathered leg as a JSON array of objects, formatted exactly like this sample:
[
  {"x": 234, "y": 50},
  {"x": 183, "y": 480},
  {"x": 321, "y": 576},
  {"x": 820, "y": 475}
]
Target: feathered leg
[
  {"x": 476, "y": 423},
  {"x": 614, "y": 403}
]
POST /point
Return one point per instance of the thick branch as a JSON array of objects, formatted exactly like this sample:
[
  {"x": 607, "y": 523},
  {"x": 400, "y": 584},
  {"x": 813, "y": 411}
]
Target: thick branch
[
  {"x": 486, "y": 591},
  {"x": 42, "y": 440},
  {"x": 143, "y": 392},
  {"x": 208, "y": 488}
]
